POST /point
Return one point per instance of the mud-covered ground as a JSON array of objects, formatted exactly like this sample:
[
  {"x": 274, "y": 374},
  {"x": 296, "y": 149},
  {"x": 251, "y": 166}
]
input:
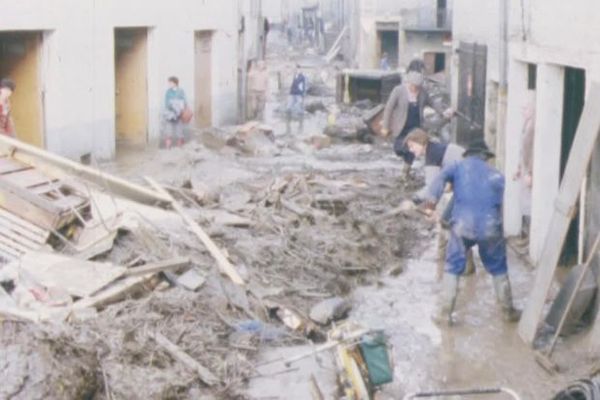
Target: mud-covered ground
[{"x": 301, "y": 218}]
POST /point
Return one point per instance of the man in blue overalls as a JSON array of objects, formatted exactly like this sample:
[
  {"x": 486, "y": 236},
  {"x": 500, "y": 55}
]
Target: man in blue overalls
[{"x": 476, "y": 220}]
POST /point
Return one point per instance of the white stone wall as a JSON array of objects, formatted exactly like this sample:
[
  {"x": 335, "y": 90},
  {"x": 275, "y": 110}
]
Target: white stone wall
[
  {"x": 78, "y": 61},
  {"x": 366, "y": 13},
  {"x": 553, "y": 35}
]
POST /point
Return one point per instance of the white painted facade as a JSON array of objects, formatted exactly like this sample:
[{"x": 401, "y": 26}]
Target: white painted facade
[
  {"x": 551, "y": 34},
  {"x": 78, "y": 73},
  {"x": 367, "y": 14},
  {"x": 535, "y": 36},
  {"x": 479, "y": 22}
]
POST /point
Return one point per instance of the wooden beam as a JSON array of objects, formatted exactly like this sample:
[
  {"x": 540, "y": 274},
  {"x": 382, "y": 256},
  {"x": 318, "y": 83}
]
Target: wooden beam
[
  {"x": 579, "y": 159},
  {"x": 10, "y": 313},
  {"x": 112, "y": 293},
  {"x": 179, "y": 355},
  {"x": 153, "y": 268},
  {"x": 224, "y": 265},
  {"x": 40, "y": 158}
]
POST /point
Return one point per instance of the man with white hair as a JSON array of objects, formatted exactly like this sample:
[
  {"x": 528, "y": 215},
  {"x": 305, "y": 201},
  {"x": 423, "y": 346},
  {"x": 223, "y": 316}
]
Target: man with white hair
[{"x": 404, "y": 112}]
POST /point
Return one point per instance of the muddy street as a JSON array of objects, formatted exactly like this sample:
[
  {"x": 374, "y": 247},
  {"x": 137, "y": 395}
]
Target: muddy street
[{"x": 259, "y": 258}]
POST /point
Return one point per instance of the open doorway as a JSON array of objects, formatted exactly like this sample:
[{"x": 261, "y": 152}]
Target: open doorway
[
  {"x": 472, "y": 68},
  {"x": 131, "y": 87},
  {"x": 434, "y": 62},
  {"x": 573, "y": 102},
  {"x": 203, "y": 78},
  {"x": 20, "y": 60},
  {"x": 388, "y": 44}
]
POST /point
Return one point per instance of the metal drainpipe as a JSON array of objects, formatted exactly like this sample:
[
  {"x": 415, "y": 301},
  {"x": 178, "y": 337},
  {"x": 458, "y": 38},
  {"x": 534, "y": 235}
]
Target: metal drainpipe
[
  {"x": 502, "y": 85},
  {"x": 242, "y": 60}
]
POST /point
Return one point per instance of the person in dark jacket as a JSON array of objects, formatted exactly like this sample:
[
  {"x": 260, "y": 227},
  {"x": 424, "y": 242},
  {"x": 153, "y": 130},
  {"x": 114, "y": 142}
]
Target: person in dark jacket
[
  {"x": 476, "y": 220},
  {"x": 437, "y": 157},
  {"x": 404, "y": 112},
  {"x": 297, "y": 93}
]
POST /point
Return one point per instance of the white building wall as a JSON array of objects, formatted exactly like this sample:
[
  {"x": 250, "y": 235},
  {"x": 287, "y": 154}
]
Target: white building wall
[
  {"x": 78, "y": 65},
  {"x": 366, "y": 13}
]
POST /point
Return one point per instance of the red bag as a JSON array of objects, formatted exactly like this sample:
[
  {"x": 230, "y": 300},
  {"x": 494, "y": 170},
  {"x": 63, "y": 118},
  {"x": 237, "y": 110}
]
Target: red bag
[{"x": 186, "y": 115}]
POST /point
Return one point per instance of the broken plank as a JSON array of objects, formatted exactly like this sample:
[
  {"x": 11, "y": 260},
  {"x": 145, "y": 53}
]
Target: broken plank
[
  {"x": 222, "y": 261},
  {"x": 577, "y": 164},
  {"x": 8, "y": 165},
  {"x": 115, "y": 292},
  {"x": 11, "y": 313},
  {"x": 77, "y": 277},
  {"x": 179, "y": 355},
  {"x": 27, "y": 178},
  {"x": 11, "y": 229},
  {"x": 19, "y": 240},
  {"x": 18, "y": 247},
  {"x": 34, "y": 156},
  {"x": 24, "y": 224},
  {"x": 152, "y": 268},
  {"x": 8, "y": 252}
]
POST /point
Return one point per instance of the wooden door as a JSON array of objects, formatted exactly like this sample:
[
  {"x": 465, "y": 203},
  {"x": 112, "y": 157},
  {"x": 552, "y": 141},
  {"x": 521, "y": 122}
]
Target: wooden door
[
  {"x": 20, "y": 60},
  {"x": 203, "y": 79},
  {"x": 131, "y": 90}
]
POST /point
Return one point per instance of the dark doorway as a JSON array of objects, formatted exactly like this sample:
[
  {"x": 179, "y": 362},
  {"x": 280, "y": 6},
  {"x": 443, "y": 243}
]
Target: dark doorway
[
  {"x": 573, "y": 102},
  {"x": 434, "y": 62},
  {"x": 442, "y": 18},
  {"x": 471, "y": 92},
  {"x": 388, "y": 40},
  {"x": 439, "y": 63}
]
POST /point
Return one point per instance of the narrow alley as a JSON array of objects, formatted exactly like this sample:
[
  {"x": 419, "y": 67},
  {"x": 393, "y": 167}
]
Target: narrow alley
[{"x": 237, "y": 206}]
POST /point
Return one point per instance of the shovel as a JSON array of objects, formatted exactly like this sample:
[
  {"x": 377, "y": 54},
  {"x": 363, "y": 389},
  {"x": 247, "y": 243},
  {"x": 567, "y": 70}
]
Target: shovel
[{"x": 545, "y": 359}]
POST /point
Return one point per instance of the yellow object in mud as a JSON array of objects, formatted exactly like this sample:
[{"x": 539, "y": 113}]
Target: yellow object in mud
[
  {"x": 331, "y": 118},
  {"x": 350, "y": 364},
  {"x": 351, "y": 375}
]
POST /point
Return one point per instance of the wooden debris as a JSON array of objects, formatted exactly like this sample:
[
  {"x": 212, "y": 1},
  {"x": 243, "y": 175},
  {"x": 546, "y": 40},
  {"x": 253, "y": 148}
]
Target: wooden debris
[
  {"x": 222, "y": 261},
  {"x": 11, "y": 313},
  {"x": 112, "y": 293},
  {"x": 77, "y": 277},
  {"x": 179, "y": 355},
  {"x": 153, "y": 268},
  {"x": 58, "y": 165}
]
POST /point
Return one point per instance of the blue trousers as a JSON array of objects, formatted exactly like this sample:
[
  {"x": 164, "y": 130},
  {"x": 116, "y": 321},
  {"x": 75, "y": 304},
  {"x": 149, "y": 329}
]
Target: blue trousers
[{"x": 491, "y": 250}]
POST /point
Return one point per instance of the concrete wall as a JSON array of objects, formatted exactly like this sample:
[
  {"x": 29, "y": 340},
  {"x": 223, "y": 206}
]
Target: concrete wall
[
  {"x": 365, "y": 14},
  {"x": 78, "y": 71},
  {"x": 535, "y": 39}
]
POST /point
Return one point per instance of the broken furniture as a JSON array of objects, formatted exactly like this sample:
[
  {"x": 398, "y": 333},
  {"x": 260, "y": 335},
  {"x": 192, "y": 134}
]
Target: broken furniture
[
  {"x": 41, "y": 277},
  {"x": 46, "y": 202},
  {"x": 375, "y": 85}
]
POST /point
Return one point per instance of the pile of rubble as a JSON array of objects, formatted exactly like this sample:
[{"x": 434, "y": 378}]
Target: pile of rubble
[{"x": 184, "y": 286}]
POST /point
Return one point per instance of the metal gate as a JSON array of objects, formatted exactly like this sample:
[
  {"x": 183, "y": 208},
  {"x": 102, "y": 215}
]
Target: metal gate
[{"x": 471, "y": 92}]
